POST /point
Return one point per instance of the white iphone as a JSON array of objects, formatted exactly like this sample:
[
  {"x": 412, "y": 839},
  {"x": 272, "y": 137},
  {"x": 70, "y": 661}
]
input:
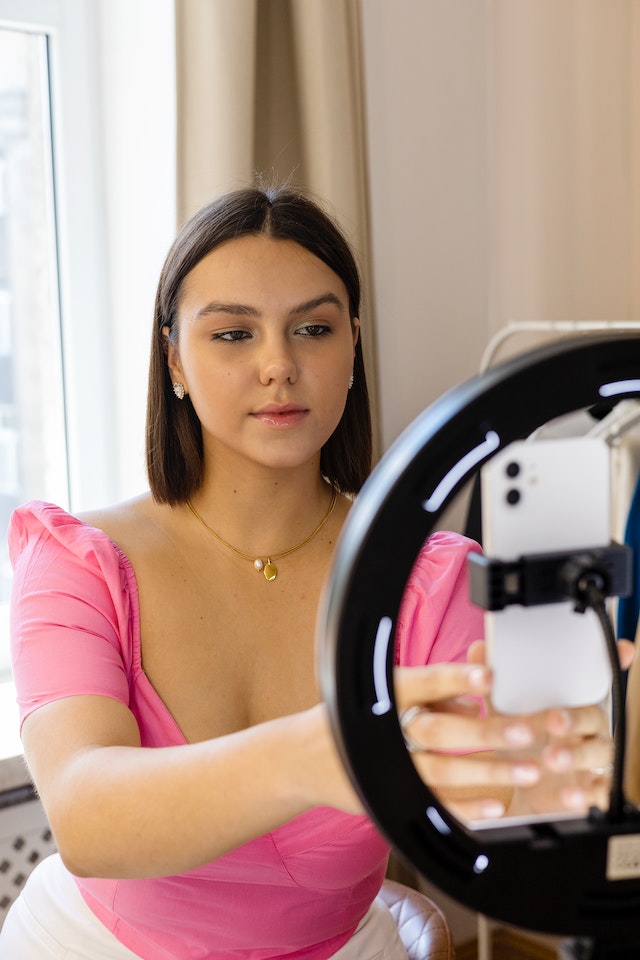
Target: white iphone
[{"x": 540, "y": 496}]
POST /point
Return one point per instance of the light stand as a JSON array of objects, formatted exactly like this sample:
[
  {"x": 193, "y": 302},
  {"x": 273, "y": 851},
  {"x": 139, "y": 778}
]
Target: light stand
[{"x": 577, "y": 877}]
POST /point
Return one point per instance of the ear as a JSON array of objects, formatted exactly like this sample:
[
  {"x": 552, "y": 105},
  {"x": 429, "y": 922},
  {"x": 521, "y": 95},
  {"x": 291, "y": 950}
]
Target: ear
[
  {"x": 355, "y": 327},
  {"x": 173, "y": 357}
]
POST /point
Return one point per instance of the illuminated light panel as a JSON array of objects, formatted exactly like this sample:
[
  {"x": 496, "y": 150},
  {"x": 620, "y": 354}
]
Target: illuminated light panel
[
  {"x": 380, "y": 650},
  {"x": 619, "y": 386},
  {"x": 490, "y": 443},
  {"x": 436, "y": 819}
]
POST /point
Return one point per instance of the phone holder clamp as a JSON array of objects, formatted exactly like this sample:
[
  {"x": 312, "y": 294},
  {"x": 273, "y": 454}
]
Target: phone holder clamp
[{"x": 553, "y": 577}]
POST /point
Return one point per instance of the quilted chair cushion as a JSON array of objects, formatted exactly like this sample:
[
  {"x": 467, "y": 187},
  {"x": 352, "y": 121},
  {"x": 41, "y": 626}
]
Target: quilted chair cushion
[{"x": 423, "y": 928}]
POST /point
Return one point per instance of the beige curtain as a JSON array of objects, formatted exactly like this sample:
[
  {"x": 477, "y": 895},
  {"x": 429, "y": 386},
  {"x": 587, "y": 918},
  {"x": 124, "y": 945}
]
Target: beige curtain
[{"x": 273, "y": 88}]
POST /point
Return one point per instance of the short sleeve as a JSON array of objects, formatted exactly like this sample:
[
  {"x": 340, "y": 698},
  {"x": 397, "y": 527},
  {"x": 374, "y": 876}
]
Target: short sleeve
[
  {"x": 437, "y": 621},
  {"x": 71, "y": 609}
]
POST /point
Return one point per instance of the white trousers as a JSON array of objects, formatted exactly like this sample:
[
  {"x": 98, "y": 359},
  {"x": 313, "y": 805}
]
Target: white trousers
[{"x": 51, "y": 921}]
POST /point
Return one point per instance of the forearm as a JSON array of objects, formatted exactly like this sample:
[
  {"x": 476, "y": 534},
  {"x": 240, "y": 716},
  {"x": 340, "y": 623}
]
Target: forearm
[{"x": 126, "y": 811}]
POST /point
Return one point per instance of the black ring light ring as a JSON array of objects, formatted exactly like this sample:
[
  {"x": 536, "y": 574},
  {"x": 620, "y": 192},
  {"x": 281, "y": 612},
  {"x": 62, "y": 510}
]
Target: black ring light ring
[{"x": 550, "y": 877}]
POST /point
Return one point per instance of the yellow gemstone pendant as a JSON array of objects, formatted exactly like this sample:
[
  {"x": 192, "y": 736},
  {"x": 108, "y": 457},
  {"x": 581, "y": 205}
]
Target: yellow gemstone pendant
[{"x": 270, "y": 570}]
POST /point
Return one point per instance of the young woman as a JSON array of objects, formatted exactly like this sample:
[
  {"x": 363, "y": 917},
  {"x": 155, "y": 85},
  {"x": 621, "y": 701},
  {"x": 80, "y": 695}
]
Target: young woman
[{"x": 164, "y": 648}]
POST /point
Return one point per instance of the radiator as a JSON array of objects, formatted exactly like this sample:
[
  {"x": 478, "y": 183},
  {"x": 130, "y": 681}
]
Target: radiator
[{"x": 25, "y": 837}]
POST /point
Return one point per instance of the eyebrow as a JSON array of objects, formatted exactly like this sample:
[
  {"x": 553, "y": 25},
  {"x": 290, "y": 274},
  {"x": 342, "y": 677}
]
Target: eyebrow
[{"x": 243, "y": 310}]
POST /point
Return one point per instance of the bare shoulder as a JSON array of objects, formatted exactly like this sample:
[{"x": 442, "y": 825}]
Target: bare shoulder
[
  {"x": 134, "y": 524},
  {"x": 120, "y": 516}
]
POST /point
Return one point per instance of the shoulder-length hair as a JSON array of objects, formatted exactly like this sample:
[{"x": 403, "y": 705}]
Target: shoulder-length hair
[{"x": 174, "y": 436}]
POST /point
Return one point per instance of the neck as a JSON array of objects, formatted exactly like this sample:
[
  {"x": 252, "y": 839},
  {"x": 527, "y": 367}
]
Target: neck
[
  {"x": 263, "y": 512},
  {"x": 266, "y": 562}
]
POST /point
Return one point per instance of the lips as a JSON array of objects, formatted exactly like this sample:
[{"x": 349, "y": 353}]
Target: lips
[{"x": 280, "y": 415}]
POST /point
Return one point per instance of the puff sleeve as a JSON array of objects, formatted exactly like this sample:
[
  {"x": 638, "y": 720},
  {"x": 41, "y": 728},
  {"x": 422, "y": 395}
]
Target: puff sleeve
[
  {"x": 72, "y": 609},
  {"x": 437, "y": 621}
]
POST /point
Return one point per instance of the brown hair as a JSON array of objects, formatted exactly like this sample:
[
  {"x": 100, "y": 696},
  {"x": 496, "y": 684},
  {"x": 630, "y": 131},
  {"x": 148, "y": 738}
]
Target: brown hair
[{"x": 174, "y": 434}]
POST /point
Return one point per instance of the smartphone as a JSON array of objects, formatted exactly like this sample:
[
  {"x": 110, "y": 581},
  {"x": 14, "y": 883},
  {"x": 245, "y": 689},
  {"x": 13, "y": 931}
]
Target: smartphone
[{"x": 540, "y": 496}]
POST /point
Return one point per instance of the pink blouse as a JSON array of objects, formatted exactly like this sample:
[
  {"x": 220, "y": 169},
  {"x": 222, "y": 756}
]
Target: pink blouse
[{"x": 298, "y": 892}]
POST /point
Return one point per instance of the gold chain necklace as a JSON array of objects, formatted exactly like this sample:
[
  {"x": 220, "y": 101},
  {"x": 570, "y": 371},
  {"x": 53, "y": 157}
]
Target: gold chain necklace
[{"x": 266, "y": 564}]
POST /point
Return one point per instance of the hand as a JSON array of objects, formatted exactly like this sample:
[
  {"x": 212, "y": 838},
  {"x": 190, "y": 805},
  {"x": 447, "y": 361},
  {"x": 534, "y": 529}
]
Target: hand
[
  {"x": 460, "y": 751},
  {"x": 575, "y": 752},
  {"x": 576, "y": 759},
  {"x": 482, "y": 763}
]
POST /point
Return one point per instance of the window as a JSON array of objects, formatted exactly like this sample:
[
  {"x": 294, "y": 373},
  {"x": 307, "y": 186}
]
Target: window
[
  {"x": 53, "y": 375},
  {"x": 78, "y": 139},
  {"x": 33, "y": 455}
]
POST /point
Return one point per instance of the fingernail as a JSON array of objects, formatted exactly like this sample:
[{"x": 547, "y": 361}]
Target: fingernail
[
  {"x": 491, "y": 809},
  {"x": 557, "y": 759},
  {"x": 525, "y": 774},
  {"x": 573, "y": 798},
  {"x": 479, "y": 678},
  {"x": 518, "y": 735},
  {"x": 559, "y": 722},
  {"x": 565, "y": 718}
]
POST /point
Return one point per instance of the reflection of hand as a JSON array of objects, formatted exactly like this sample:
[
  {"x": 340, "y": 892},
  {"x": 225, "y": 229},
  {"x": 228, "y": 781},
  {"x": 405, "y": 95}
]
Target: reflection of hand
[
  {"x": 457, "y": 745},
  {"x": 575, "y": 751},
  {"x": 480, "y": 763}
]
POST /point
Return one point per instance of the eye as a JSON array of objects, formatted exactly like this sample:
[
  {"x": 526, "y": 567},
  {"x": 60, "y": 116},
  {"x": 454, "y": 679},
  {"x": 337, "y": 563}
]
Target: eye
[
  {"x": 314, "y": 330},
  {"x": 231, "y": 336}
]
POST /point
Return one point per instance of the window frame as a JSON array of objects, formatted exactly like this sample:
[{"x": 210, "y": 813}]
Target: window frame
[
  {"x": 109, "y": 160},
  {"x": 71, "y": 30}
]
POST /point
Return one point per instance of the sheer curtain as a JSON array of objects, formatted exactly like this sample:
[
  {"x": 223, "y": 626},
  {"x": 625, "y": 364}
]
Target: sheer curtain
[{"x": 275, "y": 89}]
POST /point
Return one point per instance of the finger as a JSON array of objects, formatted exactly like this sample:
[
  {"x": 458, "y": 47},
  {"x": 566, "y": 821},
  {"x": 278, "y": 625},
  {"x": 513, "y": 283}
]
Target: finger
[
  {"x": 447, "y": 732},
  {"x": 590, "y": 721},
  {"x": 565, "y": 722},
  {"x": 465, "y": 706},
  {"x": 626, "y": 650},
  {"x": 477, "y": 652},
  {"x": 581, "y": 796},
  {"x": 439, "y": 681},
  {"x": 472, "y": 803},
  {"x": 591, "y": 755},
  {"x": 573, "y": 793},
  {"x": 475, "y": 770},
  {"x": 596, "y": 787},
  {"x": 484, "y": 808}
]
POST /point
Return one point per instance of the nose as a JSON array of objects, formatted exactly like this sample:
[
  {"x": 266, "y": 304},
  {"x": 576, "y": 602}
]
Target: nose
[{"x": 278, "y": 364}]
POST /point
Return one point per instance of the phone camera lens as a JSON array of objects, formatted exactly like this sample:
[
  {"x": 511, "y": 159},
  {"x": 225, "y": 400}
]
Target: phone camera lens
[
  {"x": 513, "y": 496},
  {"x": 512, "y": 469}
]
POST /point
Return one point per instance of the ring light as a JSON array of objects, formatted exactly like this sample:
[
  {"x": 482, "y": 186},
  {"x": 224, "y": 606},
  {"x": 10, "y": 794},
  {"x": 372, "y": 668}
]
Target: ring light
[{"x": 578, "y": 876}]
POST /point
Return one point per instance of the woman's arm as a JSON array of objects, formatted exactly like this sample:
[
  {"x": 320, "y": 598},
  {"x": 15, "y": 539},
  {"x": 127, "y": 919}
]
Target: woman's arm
[{"x": 121, "y": 810}]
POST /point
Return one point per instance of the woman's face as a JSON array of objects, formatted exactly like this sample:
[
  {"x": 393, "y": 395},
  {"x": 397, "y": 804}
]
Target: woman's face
[{"x": 265, "y": 351}]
